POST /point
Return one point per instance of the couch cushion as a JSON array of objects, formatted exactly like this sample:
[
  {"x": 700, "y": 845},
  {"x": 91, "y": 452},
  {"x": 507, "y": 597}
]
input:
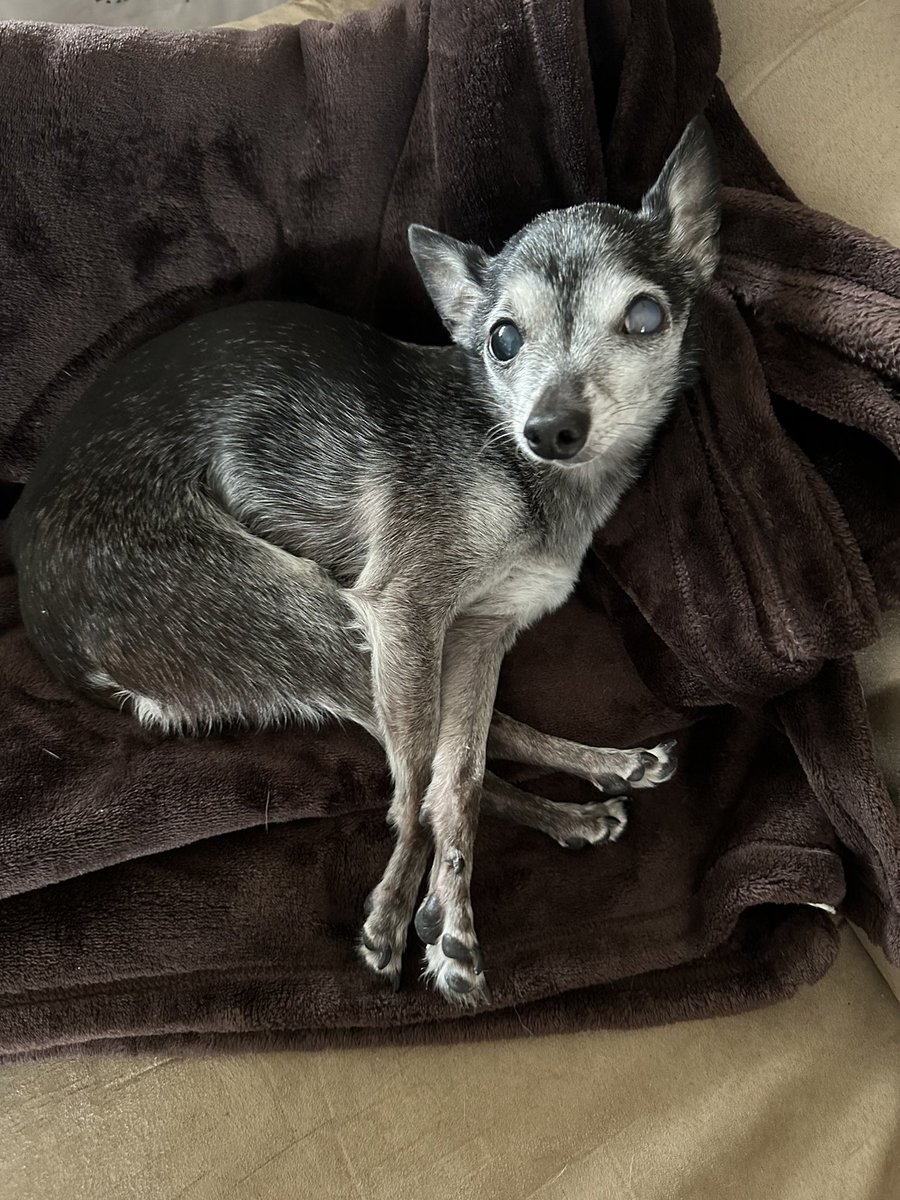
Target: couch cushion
[
  {"x": 817, "y": 82},
  {"x": 794, "y": 1102}
]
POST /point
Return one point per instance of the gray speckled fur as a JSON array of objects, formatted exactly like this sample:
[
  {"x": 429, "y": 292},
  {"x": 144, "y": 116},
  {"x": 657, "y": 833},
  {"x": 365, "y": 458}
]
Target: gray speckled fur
[{"x": 272, "y": 513}]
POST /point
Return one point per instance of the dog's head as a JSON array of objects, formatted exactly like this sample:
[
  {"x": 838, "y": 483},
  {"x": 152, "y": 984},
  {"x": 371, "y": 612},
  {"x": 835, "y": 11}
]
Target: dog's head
[{"x": 579, "y": 321}]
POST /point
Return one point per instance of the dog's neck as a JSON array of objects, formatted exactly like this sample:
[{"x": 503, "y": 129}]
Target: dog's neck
[{"x": 577, "y": 501}]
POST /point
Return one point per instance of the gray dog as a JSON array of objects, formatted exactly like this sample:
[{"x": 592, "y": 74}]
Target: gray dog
[{"x": 271, "y": 513}]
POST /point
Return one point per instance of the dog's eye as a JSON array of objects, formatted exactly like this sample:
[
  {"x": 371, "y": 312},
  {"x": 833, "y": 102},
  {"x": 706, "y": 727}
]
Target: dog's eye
[
  {"x": 505, "y": 341},
  {"x": 643, "y": 316}
]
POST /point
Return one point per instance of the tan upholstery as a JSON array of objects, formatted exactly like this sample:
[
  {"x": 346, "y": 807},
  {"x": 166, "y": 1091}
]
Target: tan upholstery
[
  {"x": 796, "y": 1102},
  {"x": 818, "y": 83}
]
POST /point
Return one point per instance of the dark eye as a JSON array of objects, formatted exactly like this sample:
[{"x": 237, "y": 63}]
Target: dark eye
[
  {"x": 643, "y": 316},
  {"x": 505, "y": 341}
]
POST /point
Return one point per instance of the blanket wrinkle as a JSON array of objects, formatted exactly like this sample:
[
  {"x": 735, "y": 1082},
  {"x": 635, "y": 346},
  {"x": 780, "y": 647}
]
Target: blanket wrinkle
[
  {"x": 865, "y": 817},
  {"x": 187, "y": 895}
]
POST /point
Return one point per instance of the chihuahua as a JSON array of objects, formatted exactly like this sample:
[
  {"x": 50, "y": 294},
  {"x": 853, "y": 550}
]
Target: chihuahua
[{"x": 273, "y": 513}]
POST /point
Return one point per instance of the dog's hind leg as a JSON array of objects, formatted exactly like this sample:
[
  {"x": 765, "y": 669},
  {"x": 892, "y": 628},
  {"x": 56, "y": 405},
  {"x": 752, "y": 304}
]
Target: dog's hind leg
[
  {"x": 614, "y": 772},
  {"x": 572, "y": 825},
  {"x": 229, "y": 629}
]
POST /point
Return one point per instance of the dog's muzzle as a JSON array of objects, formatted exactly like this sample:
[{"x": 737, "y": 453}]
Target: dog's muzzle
[{"x": 557, "y": 428}]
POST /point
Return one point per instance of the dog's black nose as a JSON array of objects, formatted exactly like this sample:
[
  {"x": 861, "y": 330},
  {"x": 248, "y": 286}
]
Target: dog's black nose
[{"x": 557, "y": 434}]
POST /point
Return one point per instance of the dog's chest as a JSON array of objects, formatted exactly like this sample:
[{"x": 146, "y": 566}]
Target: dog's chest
[{"x": 523, "y": 588}]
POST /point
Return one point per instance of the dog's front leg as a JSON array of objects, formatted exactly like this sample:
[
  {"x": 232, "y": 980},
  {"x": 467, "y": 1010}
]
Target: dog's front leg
[
  {"x": 406, "y": 642},
  {"x": 473, "y": 652}
]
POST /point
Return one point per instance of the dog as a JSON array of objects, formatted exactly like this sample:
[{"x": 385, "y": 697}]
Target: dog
[{"x": 272, "y": 513}]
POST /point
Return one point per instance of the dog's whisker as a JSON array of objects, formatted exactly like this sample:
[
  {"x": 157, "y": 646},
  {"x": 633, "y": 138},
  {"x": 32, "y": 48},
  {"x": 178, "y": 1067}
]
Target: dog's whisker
[{"x": 496, "y": 435}]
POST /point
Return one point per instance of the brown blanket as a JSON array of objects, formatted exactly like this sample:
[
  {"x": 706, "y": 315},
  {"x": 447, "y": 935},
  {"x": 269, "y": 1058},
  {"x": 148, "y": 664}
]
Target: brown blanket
[{"x": 162, "y": 893}]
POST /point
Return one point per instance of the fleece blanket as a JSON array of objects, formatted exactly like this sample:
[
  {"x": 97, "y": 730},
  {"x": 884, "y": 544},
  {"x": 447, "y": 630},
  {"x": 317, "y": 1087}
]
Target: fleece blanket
[{"x": 175, "y": 893}]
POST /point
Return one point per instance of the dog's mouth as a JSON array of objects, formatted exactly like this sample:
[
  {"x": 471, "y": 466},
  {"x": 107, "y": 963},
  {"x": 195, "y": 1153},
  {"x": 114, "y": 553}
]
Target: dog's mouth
[
  {"x": 587, "y": 454},
  {"x": 581, "y": 459},
  {"x": 604, "y": 439},
  {"x": 615, "y": 444}
]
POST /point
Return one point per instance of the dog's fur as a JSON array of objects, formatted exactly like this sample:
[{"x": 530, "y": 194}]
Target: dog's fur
[{"x": 272, "y": 513}]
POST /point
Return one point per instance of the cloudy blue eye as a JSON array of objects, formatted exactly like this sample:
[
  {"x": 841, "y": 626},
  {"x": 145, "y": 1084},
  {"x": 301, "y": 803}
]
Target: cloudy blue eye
[
  {"x": 643, "y": 316},
  {"x": 505, "y": 341}
]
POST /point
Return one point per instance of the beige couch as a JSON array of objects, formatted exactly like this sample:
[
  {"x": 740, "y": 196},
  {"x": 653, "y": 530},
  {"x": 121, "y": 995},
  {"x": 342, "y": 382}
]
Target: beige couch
[{"x": 796, "y": 1102}]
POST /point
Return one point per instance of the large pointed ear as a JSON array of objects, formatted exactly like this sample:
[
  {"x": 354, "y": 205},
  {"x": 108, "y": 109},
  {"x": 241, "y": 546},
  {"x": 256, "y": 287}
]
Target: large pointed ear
[
  {"x": 452, "y": 272},
  {"x": 686, "y": 198}
]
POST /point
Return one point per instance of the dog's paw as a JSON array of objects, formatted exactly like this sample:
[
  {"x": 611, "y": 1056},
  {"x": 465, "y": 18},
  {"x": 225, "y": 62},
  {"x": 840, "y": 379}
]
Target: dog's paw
[
  {"x": 661, "y": 768},
  {"x": 383, "y": 939},
  {"x": 628, "y": 770},
  {"x": 577, "y": 826},
  {"x": 456, "y": 978},
  {"x": 453, "y": 959}
]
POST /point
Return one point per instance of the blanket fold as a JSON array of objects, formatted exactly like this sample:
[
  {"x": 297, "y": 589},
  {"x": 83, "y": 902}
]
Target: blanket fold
[{"x": 166, "y": 893}]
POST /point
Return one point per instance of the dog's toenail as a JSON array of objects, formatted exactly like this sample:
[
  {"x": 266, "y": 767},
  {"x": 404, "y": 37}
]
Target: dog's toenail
[
  {"x": 368, "y": 905},
  {"x": 454, "y": 948},
  {"x": 576, "y": 843},
  {"x": 383, "y": 951},
  {"x": 477, "y": 960},
  {"x": 458, "y": 983},
  {"x": 668, "y": 747},
  {"x": 429, "y": 920}
]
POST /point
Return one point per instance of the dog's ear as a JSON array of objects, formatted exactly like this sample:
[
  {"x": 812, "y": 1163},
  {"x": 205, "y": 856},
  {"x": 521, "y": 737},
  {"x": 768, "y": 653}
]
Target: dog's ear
[
  {"x": 686, "y": 198},
  {"x": 452, "y": 272}
]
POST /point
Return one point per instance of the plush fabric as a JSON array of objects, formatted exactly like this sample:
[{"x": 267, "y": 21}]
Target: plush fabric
[{"x": 165, "y": 892}]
